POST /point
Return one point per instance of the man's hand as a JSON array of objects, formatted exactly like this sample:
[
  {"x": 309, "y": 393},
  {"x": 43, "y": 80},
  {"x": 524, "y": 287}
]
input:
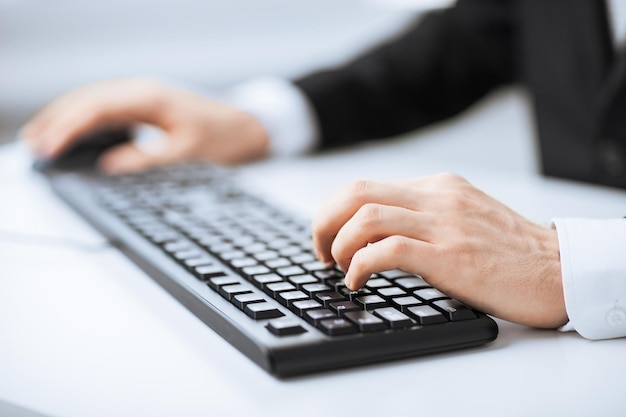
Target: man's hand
[
  {"x": 459, "y": 239},
  {"x": 196, "y": 128}
]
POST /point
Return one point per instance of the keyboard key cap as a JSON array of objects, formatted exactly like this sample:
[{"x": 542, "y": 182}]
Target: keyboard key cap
[
  {"x": 395, "y": 273},
  {"x": 394, "y": 318},
  {"x": 262, "y": 280},
  {"x": 243, "y": 262},
  {"x": 300, "y": 280},
  {"x": 187, "y": 254},
  {"x": 328, "y": 274},
  {"x": 341, "y": 307},
  {"x": 255, "y": 270},
  {"x": 285, "y": 327},
  {"x": 316, "y": 316},
  {"x": 378, "y": 283},
  {"x": 260, "y": 311},
  {"x": 265, "y": 256},
  {"x": 302, "y": 258},
  {"x": 191, "y": 263},
  {"x": 290, "y": 270},
  {"x": 278, "y": 263},
  {"x": 206, "y": 272},
  {"x": 232, "y": 255},
  {"x": 352, "y": 295},
  {"x": 336, "y": 327},
  {"x": 455, "y": 310},
  {"x": 371, "y": 302},
  {"x": 403, "y": 303},
  {"x": 428, "y": 294},
  {"x": 313, "y": 289},
  {"x": 328, "y": 297},
  {"x": 277, "y": 287},
  {"x": 366, "y": 321},
  {"x": 411, "y": 283},
  {"x": 391, "y": 292},
  {"x": 229, "y": 291},
  {"x": 286, "y": 298},
  {"x": 218, "y": 282},
  {"x": 315, "y": 266},
  {"x": 300, "y": 307},
  {"x": 425, "y": 315},
  {"x": 242, "y": 300}
]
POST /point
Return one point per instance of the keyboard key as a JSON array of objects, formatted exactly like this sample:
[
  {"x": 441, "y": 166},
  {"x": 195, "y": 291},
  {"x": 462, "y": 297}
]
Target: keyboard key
[
  {"x": 300, "y": 280},
  {"x": 262, "y": 280},
  {"x": 300, "y": 307},
  {"x": 255, "y": 270},
  {"x": 265, "y": 256},
  {"x": 378, "y": 283},
  {"x": 255, "y": 248},
  {"x": 391, "y": 292},
  {"x": 219, "y": 282},
  {"x": 313, "y": 289},
  {"x": 341, "y": 307},
  {"x": 198, "y": 261},
  {"x": 206, "y": 272},
  {"x": 187, "y": 254},
  {"x": 394, "y": 318},
  {"x": 328, "y": 297},
  {"x": 366, "y": 321},
  {"x": 425, "y": 315},
  {"x": 316, "y": 316},
  {"x": 315, "y": 266},
  {"x": 276, "y": 287},
  {"x": 336, "y": 327},
  {"x": 243, "y": 262},
  {"x": 285, "y": 327},
  {"x": 242, "y": 300},
  {"x": 394, "y": 273},
  {"x": 403, "y": 303},
  {"x": 302, "y": 258},
  {"x": 428, "y": 294},
  {"x": 229, "y": 291},
  {"x": 352, "y": 295},
  {"x": 290, "y": 270},
  {"x": 232, "y": 255},
  {"x": 336, "y": 284},
  {"x": 278, "y": 263},
  {"x": 328, "y": 274},
  {"x": 455, "y": 310},
  {"x": 288, "y": 297},
  {"x": 411, "y": 283},
  {"x": 260, "y": 311},
  {"x": 371, "y": 302},
  {"x": 290, "y": 251}
]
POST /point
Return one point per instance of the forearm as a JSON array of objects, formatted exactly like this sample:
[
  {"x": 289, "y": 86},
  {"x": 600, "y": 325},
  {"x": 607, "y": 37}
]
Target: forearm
[{"x": 439, "y": 67}]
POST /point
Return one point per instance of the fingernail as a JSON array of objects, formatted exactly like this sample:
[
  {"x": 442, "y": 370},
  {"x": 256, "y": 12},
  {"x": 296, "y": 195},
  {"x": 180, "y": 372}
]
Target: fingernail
[{"x": 348, "y": 281}]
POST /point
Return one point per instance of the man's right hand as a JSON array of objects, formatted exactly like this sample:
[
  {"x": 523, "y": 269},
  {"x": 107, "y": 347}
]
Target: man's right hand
[{"x": 196, "y": 128}]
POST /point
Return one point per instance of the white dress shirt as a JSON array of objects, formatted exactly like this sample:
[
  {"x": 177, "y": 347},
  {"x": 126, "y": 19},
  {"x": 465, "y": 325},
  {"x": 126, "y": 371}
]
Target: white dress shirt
[{"x": 593, "y": 257}]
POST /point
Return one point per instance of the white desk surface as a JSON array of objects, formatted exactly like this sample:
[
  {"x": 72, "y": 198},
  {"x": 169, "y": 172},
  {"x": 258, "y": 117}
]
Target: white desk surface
[{"x": 83, "y": 332}]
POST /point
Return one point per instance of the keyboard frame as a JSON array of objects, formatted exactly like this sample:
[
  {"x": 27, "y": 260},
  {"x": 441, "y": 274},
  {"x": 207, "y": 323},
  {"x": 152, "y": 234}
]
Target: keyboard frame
[{"x": 282, "y": 356}]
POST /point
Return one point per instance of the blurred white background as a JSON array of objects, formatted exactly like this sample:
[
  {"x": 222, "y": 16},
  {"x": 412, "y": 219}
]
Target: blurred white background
[{"x": 49, "y": 46}]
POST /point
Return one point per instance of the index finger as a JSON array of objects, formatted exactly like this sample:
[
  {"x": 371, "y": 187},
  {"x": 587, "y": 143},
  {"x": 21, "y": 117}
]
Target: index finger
[{"x": 340, "y": 208}]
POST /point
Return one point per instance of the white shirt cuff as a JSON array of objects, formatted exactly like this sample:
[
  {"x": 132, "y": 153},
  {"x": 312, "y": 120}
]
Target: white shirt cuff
[
  {"x": 283, "y": 110},
  {"x": 593, "y": 265}
]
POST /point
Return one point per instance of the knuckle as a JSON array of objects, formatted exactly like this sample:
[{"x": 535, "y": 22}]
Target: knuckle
[
  {"x": 358, "y": 190},
  {"x": 369, "y": 215},
  {"x": 398, "y": 246},
  {"x": 450, "y": 178}
]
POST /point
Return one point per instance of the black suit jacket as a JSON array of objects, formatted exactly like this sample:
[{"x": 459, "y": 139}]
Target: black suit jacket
[{"x": 560, "y": 50}]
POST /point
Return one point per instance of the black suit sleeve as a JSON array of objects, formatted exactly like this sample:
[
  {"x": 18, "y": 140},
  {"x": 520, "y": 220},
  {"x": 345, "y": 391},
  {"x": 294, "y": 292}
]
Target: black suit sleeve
[{"x": 439, "y": 67}]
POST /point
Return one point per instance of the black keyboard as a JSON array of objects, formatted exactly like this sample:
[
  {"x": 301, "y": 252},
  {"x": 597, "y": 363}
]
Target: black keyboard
[{"x": 246, "y": 269}]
